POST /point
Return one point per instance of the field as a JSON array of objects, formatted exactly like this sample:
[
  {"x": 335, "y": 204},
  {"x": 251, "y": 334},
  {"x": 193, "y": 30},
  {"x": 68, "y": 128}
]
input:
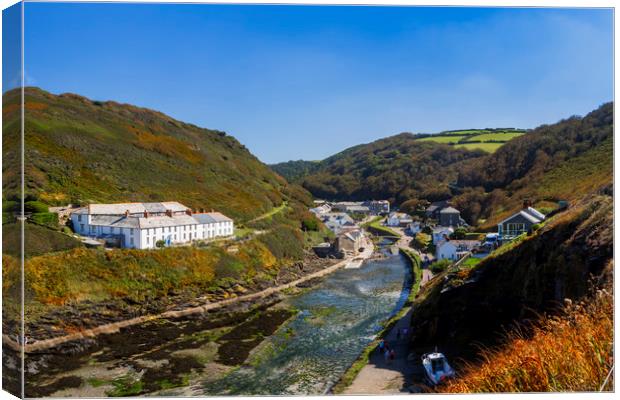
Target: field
[
  {"x": 444, "y": 139},
  {"x": 504, "y": 136},
  {"x": 488, "y": 147},
  {"x": 463, "y": 139}
]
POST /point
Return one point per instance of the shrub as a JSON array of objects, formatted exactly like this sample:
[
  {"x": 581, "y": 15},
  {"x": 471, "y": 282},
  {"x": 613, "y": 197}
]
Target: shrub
[
  {"x": 10, "y": 206},
  {"x": 45, "y": 218},
  {"x": 440, "y": 266},
  {"x": 160, "y": 244},
  {"x": 35, "y": 207},
  {"x": 284, "y": 242},
  {"x": 421, "y": 241},
  {"x": 310, "y": 224},
  {"x": 459, "y": 234}
]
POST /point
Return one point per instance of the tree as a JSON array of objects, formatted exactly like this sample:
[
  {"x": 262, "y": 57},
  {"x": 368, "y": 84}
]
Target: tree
[
  {"x": 459, "y": 233},
  {"x": 440, "y": 266},
  {"x": 421, "y": 241},
  {"x": 310, "y": 224}
]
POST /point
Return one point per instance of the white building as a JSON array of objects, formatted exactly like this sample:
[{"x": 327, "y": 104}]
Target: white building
[
  {"x": 454, "y": 249},
  {"x": 440, "y": 233},
  {"x": 336, "y": 222},
  {"x": 398, "y": 219},
  {"x": 142, "y": 225},
  {"x": 446, "y": 250},
  {"x": 321, "y": 209}
]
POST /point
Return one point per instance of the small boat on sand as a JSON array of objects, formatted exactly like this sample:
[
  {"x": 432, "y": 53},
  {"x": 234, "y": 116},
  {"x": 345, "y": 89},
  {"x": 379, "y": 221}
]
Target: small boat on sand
[{"x": 436, "y": 368}]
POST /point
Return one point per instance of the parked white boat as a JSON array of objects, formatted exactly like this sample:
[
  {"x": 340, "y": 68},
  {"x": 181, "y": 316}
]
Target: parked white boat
[{"x": 436, "y": 367}]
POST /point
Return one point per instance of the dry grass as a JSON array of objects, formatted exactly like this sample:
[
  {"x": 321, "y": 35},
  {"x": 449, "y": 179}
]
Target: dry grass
[{"x": 568, "y": 353}]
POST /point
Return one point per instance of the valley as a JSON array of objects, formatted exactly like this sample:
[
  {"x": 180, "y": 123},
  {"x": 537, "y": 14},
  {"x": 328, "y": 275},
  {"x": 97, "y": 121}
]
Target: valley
[{"x": 327, "y": 258}]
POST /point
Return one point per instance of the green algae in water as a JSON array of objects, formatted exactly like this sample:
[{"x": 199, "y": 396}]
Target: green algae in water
[{"x": 351, "y": 306}]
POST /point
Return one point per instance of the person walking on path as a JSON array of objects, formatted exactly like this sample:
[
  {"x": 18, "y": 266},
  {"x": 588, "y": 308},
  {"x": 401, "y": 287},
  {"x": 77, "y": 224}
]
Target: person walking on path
[
  {"x": 386, "y": 355},
  {"x": 392, "y": 355},
  {"x": 381, "y": 346}
]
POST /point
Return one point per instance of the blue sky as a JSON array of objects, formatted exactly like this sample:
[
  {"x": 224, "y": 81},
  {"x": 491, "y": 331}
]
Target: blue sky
[{"x": 303, "y": 82}]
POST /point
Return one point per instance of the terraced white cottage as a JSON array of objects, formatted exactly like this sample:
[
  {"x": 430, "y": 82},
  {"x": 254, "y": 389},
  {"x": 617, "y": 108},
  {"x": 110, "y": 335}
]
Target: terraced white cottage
[{"x": 142, "y": 225}]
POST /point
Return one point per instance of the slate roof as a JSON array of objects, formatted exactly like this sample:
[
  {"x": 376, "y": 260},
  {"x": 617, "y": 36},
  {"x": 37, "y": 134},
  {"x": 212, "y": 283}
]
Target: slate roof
[
  {"x": 527, "y": 214},
  {"x": 449, "y": 210},
  {"x": 134, "y": 208},
  {"x": 166, "y": 221},
  {"x": 115, "y": 221},
  {"x": 218, "y": 217},
  {"x": 204, "y": 218}
]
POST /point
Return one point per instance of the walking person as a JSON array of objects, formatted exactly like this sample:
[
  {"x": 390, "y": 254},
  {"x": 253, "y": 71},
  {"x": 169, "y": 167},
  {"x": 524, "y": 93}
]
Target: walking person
[
  {"x": 381, "y": 347},
  {"x": 392, "y": 355},
  {"x": 386, "y": 355}
]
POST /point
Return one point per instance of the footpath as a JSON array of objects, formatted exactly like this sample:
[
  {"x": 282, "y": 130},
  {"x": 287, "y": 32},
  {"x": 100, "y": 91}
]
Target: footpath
[{"x": 381, "y": 376}]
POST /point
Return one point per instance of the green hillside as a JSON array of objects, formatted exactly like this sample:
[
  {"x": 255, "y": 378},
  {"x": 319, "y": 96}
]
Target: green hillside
[
  {"x": 561, "y": 161},
  {"x": 396, "y": 168},
  {"x": 294, "y": 171},
  {"x": 81, "y": 151}
]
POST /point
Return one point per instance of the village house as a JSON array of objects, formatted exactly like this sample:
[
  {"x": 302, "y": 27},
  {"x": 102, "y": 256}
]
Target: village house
[
  {"x": 378, "y": 206},
  {"x": 450, "y": 216},
  {"x": 398, "y": 219},
  {"x": 321, "y": 209},
  {"x": 441, "y": 233},
  {"x": 520, "y": 222},
  {"x": 435, "y": 208},
  {"x": 142, "y": 225},
  {"x": 349, "y": 241},
  {"x": 454, "y": 249},
  {"x": 351, "y": 207},
  {"x": 336, "y": 222},
  {"x": 445, "y": 250}
]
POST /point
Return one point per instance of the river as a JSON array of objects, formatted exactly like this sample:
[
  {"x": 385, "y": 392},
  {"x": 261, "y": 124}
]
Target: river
[{"x": 336, "y": 320}]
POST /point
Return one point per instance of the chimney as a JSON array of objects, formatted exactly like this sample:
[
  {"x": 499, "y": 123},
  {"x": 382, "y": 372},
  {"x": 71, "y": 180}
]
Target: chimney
[
  {"x": 169, "y": 213},
  {"x": 202, "y": 210},
  {"x": 188, "y": 211},
  {"x": 526, "y": 204},
  {"x": 126, "y": 213},
  {"x": 146, "y": 214}
]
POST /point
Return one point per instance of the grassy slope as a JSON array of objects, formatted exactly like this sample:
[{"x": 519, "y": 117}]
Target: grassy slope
[
  {"x": 38, "y": 240},
  {"x": 568, "y": 181},
  {"x": 488, "y": 147},
  {"x": 569, "y": 353},
  {"x": 82, "y": 151}
]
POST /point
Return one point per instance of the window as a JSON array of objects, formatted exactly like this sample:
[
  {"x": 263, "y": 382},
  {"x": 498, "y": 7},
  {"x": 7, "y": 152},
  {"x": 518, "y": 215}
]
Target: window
[
  {"x": 79, "y": 218},
  {"x": 131, "y": 231},
  {"x": 131, "y": 241},
  {"x": 82, "y": 227},
  {"x": 147, "y": 240}
]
